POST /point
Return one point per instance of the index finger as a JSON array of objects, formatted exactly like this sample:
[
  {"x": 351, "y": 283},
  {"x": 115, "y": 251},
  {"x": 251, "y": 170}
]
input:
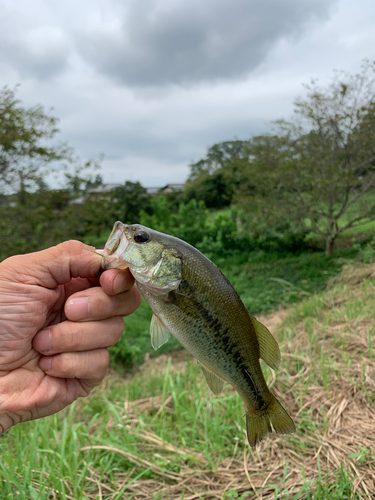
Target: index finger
[{"x": 52, "y": 267}]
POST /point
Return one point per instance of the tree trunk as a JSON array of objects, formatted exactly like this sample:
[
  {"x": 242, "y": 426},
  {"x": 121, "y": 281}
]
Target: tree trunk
[{"x": 330, "y": 241}]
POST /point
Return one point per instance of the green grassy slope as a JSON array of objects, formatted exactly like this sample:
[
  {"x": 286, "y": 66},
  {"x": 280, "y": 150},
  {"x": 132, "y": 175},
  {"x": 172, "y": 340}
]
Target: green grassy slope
[{"x": 161, "y": 434}]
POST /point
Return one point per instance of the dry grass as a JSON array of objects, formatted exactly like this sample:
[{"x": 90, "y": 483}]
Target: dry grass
[
  {"x": 122, "y": 444},
  {"x": 327, "y": 382}
]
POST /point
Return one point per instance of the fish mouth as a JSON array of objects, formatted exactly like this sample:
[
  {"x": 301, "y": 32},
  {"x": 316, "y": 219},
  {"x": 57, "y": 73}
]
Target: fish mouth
[{"x": 114, "y": 249}]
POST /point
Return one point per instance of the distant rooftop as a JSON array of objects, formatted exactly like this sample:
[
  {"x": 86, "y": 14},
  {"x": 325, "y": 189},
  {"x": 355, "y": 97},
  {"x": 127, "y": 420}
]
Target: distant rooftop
[
  {"x": 103, "y": 188},
  {"x": 165, "y": 189}
]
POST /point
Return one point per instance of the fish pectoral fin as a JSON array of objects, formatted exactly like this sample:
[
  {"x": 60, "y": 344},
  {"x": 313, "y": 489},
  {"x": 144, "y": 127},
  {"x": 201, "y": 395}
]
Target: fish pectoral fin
[
  {"x": 159, "y": 333},
  {"x": 268, "y": 347},
  {"x": 214, "y": 382}
]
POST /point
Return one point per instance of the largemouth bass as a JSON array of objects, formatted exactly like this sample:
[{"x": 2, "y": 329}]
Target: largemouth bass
[{"x": 192, "y": 299}]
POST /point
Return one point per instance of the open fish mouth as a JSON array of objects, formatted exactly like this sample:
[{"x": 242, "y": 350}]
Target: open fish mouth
[{"x": 114, "y": 250}]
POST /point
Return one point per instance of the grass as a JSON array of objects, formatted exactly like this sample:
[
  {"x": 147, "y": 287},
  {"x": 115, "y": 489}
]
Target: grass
[{"x": 160, "y": 434}]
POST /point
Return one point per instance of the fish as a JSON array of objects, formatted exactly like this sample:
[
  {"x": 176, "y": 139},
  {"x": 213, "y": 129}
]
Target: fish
[{"x": 192, "y": 299}]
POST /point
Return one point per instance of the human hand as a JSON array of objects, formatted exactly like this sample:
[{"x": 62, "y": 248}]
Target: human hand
[{"x": 56, "y": 323}]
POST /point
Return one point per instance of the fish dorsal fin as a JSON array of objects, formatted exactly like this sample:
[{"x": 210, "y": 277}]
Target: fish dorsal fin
[
  {"x": 214, "y": 382},
  {"x": 159, "y": 334},
  {"x": 269, "y": 349}
]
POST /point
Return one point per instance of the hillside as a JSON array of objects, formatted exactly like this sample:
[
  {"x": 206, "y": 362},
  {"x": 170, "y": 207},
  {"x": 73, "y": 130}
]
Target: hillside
[{"x": 160, "y": 434}]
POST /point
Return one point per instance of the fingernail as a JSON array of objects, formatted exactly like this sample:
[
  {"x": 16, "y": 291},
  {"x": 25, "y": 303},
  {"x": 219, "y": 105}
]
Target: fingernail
[
  {"x": 43, "y": 341},
  {"x": 77, "y": 308},
  {"x": 118, "y": 284},
  {"x": 45, "y": 363}
]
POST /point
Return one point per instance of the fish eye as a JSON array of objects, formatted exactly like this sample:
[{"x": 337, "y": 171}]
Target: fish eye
[{"x": 141, "y": 237}]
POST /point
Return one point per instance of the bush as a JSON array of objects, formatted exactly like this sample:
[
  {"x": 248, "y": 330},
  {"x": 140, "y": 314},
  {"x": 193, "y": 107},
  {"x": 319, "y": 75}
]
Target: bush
[{"x": 193, "y": 223}]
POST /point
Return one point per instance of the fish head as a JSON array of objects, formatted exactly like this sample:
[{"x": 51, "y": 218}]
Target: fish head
[{"x": 151, "y": 257}]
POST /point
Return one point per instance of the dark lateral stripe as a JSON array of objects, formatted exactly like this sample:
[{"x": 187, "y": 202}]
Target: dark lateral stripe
[{"x": 222, "y": 337}]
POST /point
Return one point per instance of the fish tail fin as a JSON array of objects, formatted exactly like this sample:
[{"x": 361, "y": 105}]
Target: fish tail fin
[{"x": 258, "y": 424}]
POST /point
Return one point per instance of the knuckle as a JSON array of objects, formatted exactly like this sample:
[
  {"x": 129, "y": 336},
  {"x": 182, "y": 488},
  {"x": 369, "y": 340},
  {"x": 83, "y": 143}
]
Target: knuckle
[
  {"x": 66, "y": 337},
  {"x": 70, "y": 246},
  {"x": 74, "y": 337},
  {"x": 64, "y": 365},
  {"x": 102, "y": 364},
  {"x": 118, "y": 326}
]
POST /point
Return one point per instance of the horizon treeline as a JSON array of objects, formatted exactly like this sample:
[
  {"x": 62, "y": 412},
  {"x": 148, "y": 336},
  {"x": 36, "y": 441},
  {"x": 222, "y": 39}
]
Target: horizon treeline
[{"x": 300, "y": 186}]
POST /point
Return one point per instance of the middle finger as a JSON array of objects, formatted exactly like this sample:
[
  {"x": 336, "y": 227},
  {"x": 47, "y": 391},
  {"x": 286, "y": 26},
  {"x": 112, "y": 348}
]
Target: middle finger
[{"x": 70, "y": 336}]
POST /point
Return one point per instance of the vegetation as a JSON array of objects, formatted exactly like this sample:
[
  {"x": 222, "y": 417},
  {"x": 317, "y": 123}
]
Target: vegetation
[
  {"x": 268, "y": 211},
  {"x": 162, "y": 435},
  {"x": 22, "y": 157},
  {"x": 311, "y": 173},
  {"x": 310, "y": 180}
]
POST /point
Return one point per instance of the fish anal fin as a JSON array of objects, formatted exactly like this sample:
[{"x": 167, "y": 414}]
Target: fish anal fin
[
  {"x": 268, "y": 347},
  {"x": 159, "y": 333},
  {"x": 214, "y": 382}
]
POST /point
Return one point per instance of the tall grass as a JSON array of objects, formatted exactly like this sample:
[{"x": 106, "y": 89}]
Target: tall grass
[{"x": 161, "y": 434}]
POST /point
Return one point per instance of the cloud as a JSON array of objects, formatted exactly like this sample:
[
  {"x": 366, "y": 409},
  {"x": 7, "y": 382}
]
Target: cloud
[
  {"x": 162, "y": 42},
  {"x": 40, "y": 52},
  {"x": 134, "y": 79}
]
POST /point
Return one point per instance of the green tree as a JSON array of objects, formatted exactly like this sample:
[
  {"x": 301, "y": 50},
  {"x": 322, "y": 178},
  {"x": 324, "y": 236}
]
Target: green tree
[
  {"x": 317, "y": 172},
  {"x": 214, "y": 179},
  {"x": 24, "y": 155},
  {"x": 128, "y": 200},
  {"x": 32, "y": 216},
  {"x": 82, "y": 177}
]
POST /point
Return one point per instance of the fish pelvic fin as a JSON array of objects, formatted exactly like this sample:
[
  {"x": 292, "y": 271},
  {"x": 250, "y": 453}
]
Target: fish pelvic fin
[{"x": 258, "y": 424}]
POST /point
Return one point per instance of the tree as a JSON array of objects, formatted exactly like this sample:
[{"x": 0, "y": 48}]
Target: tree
[
  {"x": 31, "y": 215},
  {"x": 128, "y": 200},
  {"x": 214, "y": 179},
  {"x": 23, "y": 155},
  {"x": 317, "y": 171}
]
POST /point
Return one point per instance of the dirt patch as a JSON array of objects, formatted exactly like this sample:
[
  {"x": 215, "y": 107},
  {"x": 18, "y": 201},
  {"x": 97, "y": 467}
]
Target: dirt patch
[{"x": 273, "y": 319}]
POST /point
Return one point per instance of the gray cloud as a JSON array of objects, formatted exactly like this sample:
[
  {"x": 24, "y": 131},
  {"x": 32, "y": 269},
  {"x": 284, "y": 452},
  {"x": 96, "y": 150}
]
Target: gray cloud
[
  {"x": 40, "y": 52},
  {"x": 159, "y": 42}
]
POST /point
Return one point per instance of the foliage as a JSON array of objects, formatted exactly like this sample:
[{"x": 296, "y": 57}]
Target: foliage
[
  {"x": 189, "y": 222},
  {"x": 23, "y": 157},
  {"x": 46, "y": 219},
  {"x": 81, "y": 178},
  {"x": 83, "y": 210},
  {"x": 192, "y": 222},
  {"x": 314, "y": 174},
  {"x": 223, "y": 233},
  {"x": 209, "y": 180},
  {"x": 321, "y": 164},
  {"x": 128, "y": 200}
]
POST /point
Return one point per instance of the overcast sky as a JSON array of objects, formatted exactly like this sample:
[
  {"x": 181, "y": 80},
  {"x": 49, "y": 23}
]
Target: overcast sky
[{"x": 151, "y": 84}]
